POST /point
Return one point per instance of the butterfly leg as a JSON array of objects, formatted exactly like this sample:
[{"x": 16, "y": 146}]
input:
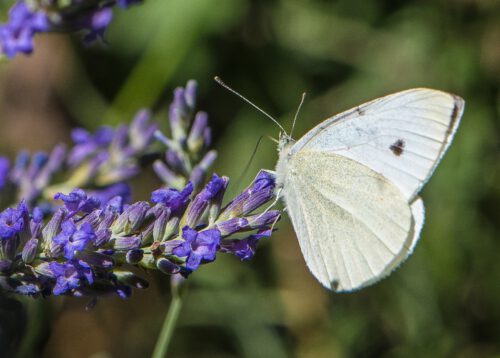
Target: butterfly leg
[{"x": 274, "y": 223}]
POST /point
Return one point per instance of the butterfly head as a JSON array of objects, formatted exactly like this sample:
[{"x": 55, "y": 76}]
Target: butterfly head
[{"x": 285, "y": 142}]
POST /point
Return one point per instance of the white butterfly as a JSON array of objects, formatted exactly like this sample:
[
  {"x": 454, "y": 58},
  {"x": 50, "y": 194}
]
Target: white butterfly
[{"x": 350, "y": 184}]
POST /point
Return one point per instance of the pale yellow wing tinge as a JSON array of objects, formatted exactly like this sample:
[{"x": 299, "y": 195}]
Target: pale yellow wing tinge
[{"x": 351, "y": 222}]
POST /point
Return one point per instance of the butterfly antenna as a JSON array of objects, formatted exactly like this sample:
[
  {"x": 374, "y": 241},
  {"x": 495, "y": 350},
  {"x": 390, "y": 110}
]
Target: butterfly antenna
[
  {"x": 273, "y": 140},
  {"x": 240, "y": 178},
  {"x": 297, "y": 113},
  {"x": 219, "y": 81}
]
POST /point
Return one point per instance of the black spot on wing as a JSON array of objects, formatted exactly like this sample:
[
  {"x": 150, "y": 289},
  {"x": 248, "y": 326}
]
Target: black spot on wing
[
  {"x": 455, "y": 113},
  {"x": 334, "y": 285},
  {"x": 398, "y": 147}
]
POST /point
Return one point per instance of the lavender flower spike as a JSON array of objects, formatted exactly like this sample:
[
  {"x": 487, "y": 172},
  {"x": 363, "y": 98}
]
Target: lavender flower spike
[
  {"x": 90, "y": 239},
  {"x": 187, "y": 157},
  {"x": 31, "y": 174},
  {"x": 106, "y": 158},
  {"x": 86, "y": 248},
  {"x": 27, "y": 18}
]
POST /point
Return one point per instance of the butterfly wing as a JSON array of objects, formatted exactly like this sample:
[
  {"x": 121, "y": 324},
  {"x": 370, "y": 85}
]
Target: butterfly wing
[
  {"x": 353, "y": 225},
  {"x": 351, "y": 183},
  {"x": 401, "y": 136}
]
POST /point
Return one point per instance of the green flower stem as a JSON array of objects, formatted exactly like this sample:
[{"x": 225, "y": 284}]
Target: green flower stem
[
  {"x": 167, "y": 330},
  {"x": 36, "y": 331}
]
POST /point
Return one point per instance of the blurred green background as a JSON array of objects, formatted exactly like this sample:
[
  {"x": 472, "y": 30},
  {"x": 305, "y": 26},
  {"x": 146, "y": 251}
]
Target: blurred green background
[{"x": 443, "y": 302}]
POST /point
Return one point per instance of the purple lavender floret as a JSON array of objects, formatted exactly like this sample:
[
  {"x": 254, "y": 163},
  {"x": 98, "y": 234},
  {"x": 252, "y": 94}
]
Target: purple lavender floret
[
  {"x": 77, "y": 201},
  {"x": 27, "y": 18},
  {"x": 87, "y": 143},
  {"x": 142, "y": 131},
  {"x": 96, "y": 23},
  {"x": 12, "y": 221},
  {"x": 27, "y": 289},
  {"x": 14, "y": 232},
  {"x": 70, "y": 275},
  {"x": 30, "y": 250},
  {"x": 251, "y": 222},
  {"x": 253, "y": 197},
  {"x": 174, "y": 199},
  {"x": 119, "y": 191},
  {"x": 245, "y": 248},
  {"x": 94, "y": 19},
  {"x": 74, "y": 239},
  {"x": 4, "y": 171},
  {"x": 198, "y": 246},
  {"x": 215, "y": 187},
  {"x": 17, "y": 34}
]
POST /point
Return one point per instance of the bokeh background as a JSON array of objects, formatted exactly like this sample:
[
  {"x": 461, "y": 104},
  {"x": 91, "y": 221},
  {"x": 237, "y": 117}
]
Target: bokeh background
[{"x": 443, "y": 302}]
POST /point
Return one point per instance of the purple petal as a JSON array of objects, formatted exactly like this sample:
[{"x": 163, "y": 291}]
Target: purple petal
[
  {"x": 260, "y": 192},
  {"x": 173, "y": 199},
  {"x": 4, "y": 171},
  {"x": 204, "y": 198}
]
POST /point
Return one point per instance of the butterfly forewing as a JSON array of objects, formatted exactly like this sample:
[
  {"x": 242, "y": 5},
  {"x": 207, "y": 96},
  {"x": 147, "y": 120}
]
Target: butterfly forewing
[{"x": 401, "y": 136}]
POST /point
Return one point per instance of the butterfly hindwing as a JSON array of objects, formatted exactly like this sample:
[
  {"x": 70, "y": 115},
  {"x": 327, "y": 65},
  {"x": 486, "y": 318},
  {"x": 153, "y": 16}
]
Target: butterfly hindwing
[{"x": 351, "y": 222}]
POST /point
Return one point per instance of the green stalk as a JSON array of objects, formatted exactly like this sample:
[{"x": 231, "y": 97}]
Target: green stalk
[{"x": 167, "y": 330}]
